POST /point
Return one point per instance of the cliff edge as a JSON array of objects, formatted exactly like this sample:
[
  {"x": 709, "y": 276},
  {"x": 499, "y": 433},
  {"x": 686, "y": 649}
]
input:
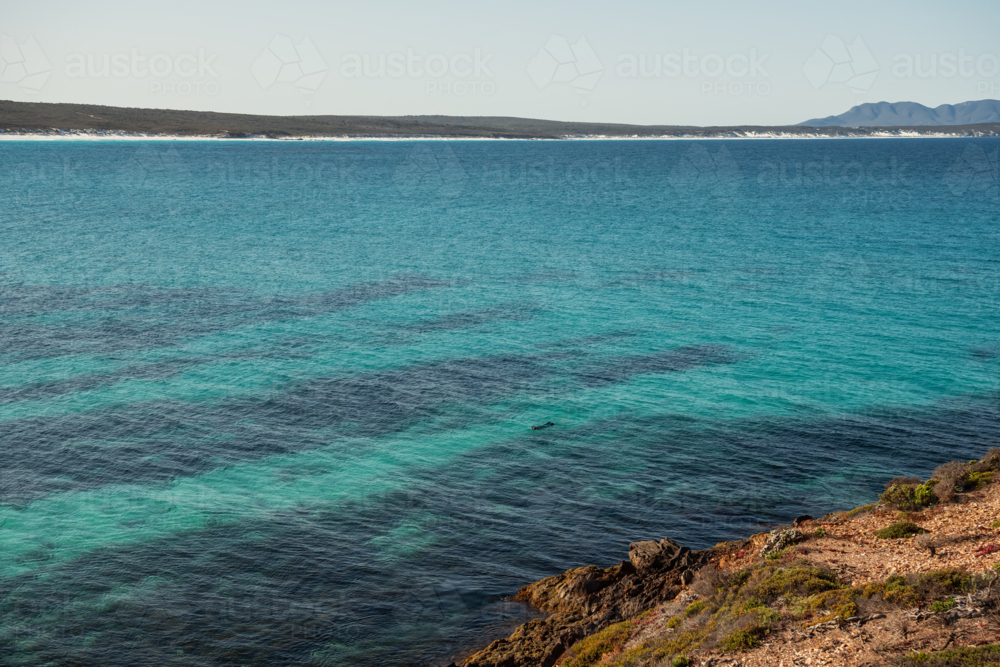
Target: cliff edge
[{"x": 908, "y": 580}]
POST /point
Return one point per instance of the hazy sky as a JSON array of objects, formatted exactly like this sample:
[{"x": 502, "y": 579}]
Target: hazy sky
[{"x": 677, "y": 63}]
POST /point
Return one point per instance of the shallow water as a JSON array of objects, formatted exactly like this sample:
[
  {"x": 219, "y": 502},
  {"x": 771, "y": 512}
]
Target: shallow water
[{"x": 269, "y": 403}]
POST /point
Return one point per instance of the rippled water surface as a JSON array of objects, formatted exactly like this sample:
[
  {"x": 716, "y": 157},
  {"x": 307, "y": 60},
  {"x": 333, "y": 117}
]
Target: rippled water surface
[{"x": 268, "y": 403}]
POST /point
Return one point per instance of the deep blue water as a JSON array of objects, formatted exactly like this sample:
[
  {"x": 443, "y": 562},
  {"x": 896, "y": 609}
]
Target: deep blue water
[{"x": 268, "y": 403}]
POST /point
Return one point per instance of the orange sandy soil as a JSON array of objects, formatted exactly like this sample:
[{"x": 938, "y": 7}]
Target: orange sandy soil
[{"x": 851, "y": 550}]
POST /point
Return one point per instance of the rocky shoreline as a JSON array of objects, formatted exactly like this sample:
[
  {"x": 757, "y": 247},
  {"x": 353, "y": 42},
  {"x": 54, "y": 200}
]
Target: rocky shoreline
[{"x": 910, "y": 575}]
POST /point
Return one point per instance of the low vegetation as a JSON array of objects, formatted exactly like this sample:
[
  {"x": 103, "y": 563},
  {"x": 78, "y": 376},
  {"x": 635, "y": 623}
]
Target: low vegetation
[
  {"x": 744, "y": 608},
  {"x": 738, "y": 610},
  {"x": 948, "y": 480},
  {"x": 899, "y": 530},
  {"x": 589, "y": 650},
  {"x": 966, "y": 656}
]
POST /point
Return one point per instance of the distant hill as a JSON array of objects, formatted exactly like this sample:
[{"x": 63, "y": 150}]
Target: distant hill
[
  {"x": 19, "y": 118},
  {"x": 911, "y": 114}
]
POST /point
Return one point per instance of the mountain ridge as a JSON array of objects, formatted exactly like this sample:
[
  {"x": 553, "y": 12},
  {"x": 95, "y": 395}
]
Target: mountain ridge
[{"x": 912, "y": 114}]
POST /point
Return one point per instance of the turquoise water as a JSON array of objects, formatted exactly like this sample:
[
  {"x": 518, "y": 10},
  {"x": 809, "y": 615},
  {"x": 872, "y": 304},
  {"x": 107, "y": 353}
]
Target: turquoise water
[{"x": 269, "y": 402}]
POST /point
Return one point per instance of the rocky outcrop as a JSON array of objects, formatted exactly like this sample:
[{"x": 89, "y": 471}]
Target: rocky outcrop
[
  {"x": 780, "y": 539},
  {"x": 588, "y": 599},
  {"x": 651, "y": 555}
]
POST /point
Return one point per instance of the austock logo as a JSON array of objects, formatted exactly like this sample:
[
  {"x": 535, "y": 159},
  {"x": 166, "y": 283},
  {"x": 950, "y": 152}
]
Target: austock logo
[
  {"x": 23, "y": 64},
  {"x": 560, "y": 62},
  {"x": 836, "y": 62},
  {"x": 157, "y": 173},
  {"x": 286, "y": 62},
  {"x": 975, "y": 172},
  {"x": 436, "y": 169},
  {"x": 701, "y": 171}
]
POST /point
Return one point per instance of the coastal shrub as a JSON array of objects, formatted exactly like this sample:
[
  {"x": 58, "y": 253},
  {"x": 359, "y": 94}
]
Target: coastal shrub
[
  {"x": 899, "y": 530},
  {"x": 740, "y": 578},
  {"x": 900, "y": 492},
  {"x": 589, "y": 650},
  {"x": 684, "y": 643},
  {"x": 924, "y": 494},
  {"x": 989, "y": 461},
  {"x": 634, "y": 657},
  {"x": 694, "y": 608},
  {"x": 894, "y": 590},
  {"x": 820, "y": 532},
  {"x": 987, "y": 549},
  {"x": 978, "y": 480},
  {"x": 708, "y": 580},
  {"x": 965, "y": 656},
  {"x": 680, "y": 661},
  {"x": 939, "y": 583},
  {"x": 951, "y": 479},
  {"x": 674, "y": 622},
  {"x": 995, "y": 524},
  {"x": 741, "y": 640},
  {"x": 801, "y": 580},
  {"x": 943, "y": 605},
  {"x": 750, "y": 604},
  {"x": 926, "y": 541},
  {"x": 836, "y": 603},
  {"x": 860, "y": 511}
]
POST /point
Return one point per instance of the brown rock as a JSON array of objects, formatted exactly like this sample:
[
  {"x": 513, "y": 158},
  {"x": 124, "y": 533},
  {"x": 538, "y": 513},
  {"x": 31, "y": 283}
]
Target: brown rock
[
  {"x": 649, "y": 554},
  {"x": 588, "y": 599},
  {"x": 537, "y": 643}
]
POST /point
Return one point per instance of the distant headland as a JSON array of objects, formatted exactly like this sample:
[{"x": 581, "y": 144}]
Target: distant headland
[{"x": 44, "y": 120}]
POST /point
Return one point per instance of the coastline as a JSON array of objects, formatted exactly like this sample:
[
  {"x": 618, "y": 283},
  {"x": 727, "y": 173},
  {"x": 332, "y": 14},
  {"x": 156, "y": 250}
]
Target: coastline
[
  {"x": 911, "y": 574},
  {"x": 121, "y": 135}
]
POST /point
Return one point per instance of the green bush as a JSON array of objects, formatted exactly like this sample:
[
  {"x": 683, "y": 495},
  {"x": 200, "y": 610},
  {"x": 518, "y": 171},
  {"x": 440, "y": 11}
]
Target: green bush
[
  {"x": 924, "y": 494},
  {"x": 952, "y": 478},
  {"x": 966, "y": 656},
  {"x": 794, "y": 581},
  {"x": 741, "y": 640},
  {"x": 978, "y": 480},
  {"x": 899, "y": 495},
  {"x": 820, "y": 532},
  {"x": 899, "y": 530},
  {"x": 680, "y": 661},
  {"x": 940, "y": 582},
  {"x": 943, "y": 605},
  {"x": 588, "y": 651},
  {"x": 694, "y": 608},
  {"x": 674, "y": 622},
  {"x": 858, "y": 511}
]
